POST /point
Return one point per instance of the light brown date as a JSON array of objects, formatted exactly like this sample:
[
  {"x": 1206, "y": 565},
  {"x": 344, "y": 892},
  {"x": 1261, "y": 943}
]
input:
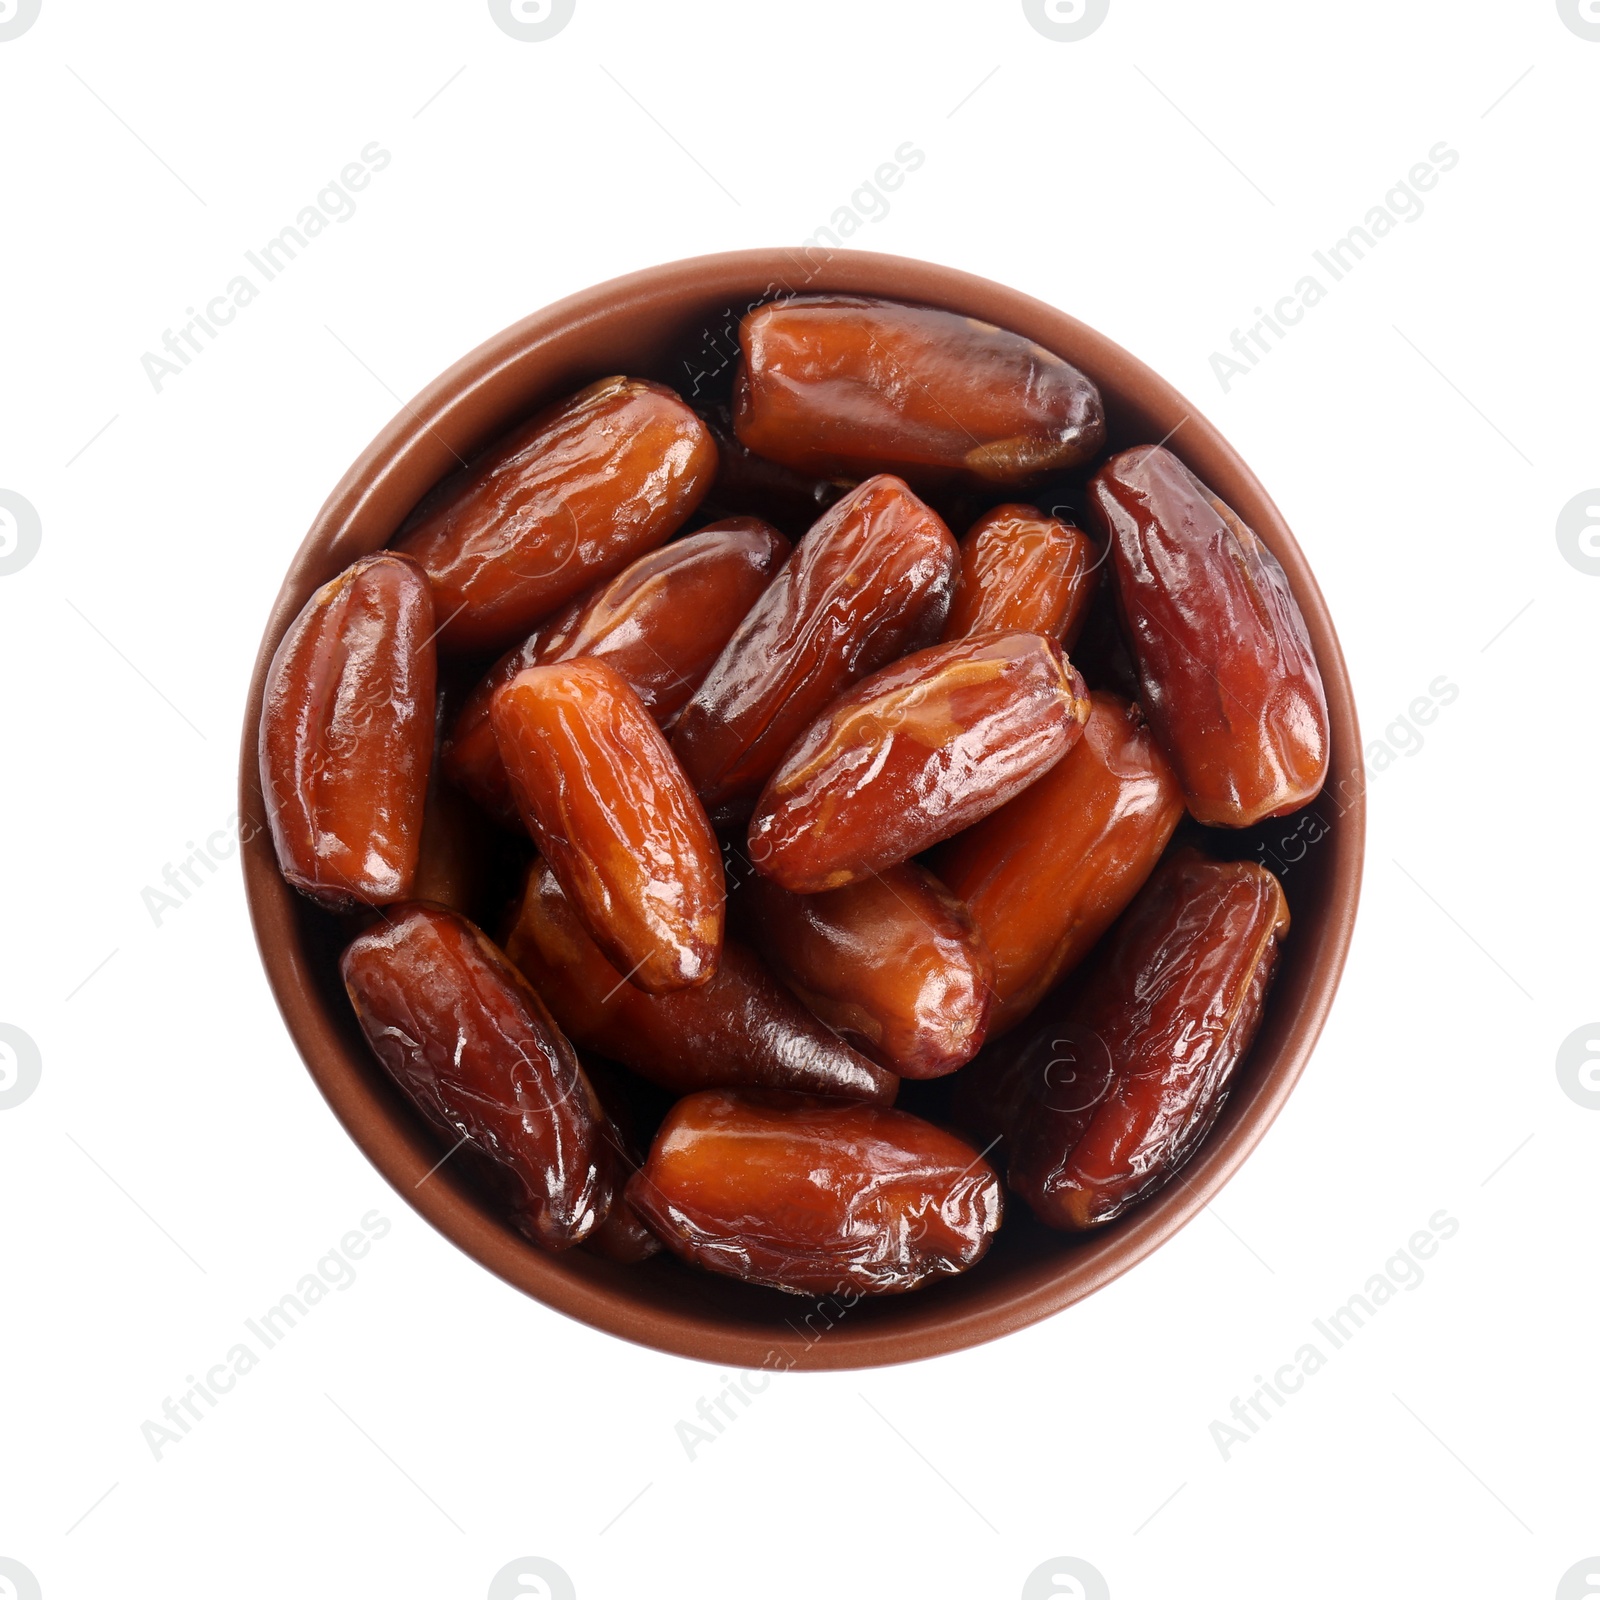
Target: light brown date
[
  {"x": 616, "y": 820},
  {"x": 892, "y": 963},
  {"x": 561, "y": 503},
  {"x": 871, "y": 580},
  {"x": 1228, "y": 678},
  {"x": 813, "y": 1196},
  {"x": 660, "y": 623},
  {"x": 346, "y": 736},
  {"x": 1163, "y": 1020},
  {"x": 844, "y": 386},
  {"x": 1023, "y": 570},
  {"x": 913, "y": 754},
  {"x": 741, "y": 1027},
  {"x": 474, "y": 1049},
  {"x": 1047, "y": 874}
]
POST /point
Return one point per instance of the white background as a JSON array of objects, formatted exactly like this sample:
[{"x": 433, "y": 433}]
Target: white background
[{"x": 176, "y": 1170}]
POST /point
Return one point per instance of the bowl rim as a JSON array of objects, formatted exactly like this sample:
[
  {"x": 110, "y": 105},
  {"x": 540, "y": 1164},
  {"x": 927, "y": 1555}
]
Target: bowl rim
[{"x": 415, "y": 446}]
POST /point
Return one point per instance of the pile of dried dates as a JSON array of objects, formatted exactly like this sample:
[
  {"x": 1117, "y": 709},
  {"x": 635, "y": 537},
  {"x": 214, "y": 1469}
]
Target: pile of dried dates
[{"x": 779, "y": 795}]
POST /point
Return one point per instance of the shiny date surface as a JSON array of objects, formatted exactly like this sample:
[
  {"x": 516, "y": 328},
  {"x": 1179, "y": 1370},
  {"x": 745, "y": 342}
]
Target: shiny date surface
[
  {"x": 660, "y": 623},
  {"x": 346, "y": 735},
  {"x": 871, "y": 580},
  {"x": 913, "y": 754},
  {"x": 1023, "y": 570},
  {"x": 892, "y": 963},
  {"x": 1228, "y": 678},
  {"x": 472, "y": 1046},
  {"x": 813, "y": 1196},
  {"x": 844, "y": 386},
  {"x": 741, "y": 1027},
  {"x": 616, "y": 820},
  {"x": 561, "y": 503},
  {"x": 1163, "y": 1020},
  {"x": 1047, "y": 874}
]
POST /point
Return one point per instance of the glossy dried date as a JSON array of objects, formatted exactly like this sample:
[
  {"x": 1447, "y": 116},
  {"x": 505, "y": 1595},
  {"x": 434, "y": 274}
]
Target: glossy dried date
[
  {"x": 815, "y": 1197},
  {"x": 913, "y": 754},
  {"x": 1228, "y": 678},
  {"x": 561, "y": 503},
  {"x": 472, "y": 1046},
  {"x": 660, "y": 623},
  {"x": 1046, "y": 875},
  {"x": 346, "y": 735},
  {"x": 1022, "y": 570},
  {"x": 892, "y": 963},
  {"x": 1173, "y": 1003},
  {"x": 871, "y": 580},
  {"x": 741, "y": 1027},
  {"x": 844, "y": 386},
  {"x": 616, "y": 820}
]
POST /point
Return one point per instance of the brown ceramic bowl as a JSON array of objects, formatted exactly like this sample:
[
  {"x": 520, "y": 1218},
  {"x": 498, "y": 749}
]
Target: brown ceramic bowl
[{"x": 651, "y": 324}]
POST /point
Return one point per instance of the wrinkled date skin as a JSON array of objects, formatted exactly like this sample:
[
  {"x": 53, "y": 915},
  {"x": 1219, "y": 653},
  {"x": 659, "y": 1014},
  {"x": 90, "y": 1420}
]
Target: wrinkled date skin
[
  {"x": 813, "y": 1196},
  {"x": 1167, "y": 1014},
  {"x": 660, "y": 623},
  {"x": 1024, "y": 571},
  {"x": 1228, "y": 679},
  {"x": 914, "y": 754},
  {"x": 566, "y": 500},
  {"x": 463, "y": 1034},
  {"x": 741, "y": 1027},
  {"x": 346, "y": 737},
  {"x": 844, "y": 386},
  {"x": 1046, "y": 875},
  {"x": 615, "y": 819},
  {"x": 893, "y": 963},
  {"x": 871, "y": 580}
]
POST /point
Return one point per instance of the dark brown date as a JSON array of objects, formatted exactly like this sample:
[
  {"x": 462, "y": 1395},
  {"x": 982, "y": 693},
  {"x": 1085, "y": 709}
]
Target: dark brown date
[
  {"x": 813, "y": 1196},
  {"x": 1228, "y": 678},
  {"x": 741, "y": 1027},
  {"x": 660, "y": 623},
  {"x": 1022, "y": 570},
  {"x": 893, "y": 963},
  {"x": 1047, "y": 874},
  {"x": 844, "y": 386},
  {"x": 913, "y": 754},
  {"x": 472, "y": 1046},
  {"x": 1152, "y": 1043},
  {"x": 616, "y": 820},
  {"x": 561, "y": 503},
  {"x": 871, "y": 580},
  {"x": 346, "y": 737}
]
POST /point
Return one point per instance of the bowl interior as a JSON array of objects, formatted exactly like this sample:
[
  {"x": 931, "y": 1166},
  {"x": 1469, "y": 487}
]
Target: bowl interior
[{"x": 678, "y": 324}]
